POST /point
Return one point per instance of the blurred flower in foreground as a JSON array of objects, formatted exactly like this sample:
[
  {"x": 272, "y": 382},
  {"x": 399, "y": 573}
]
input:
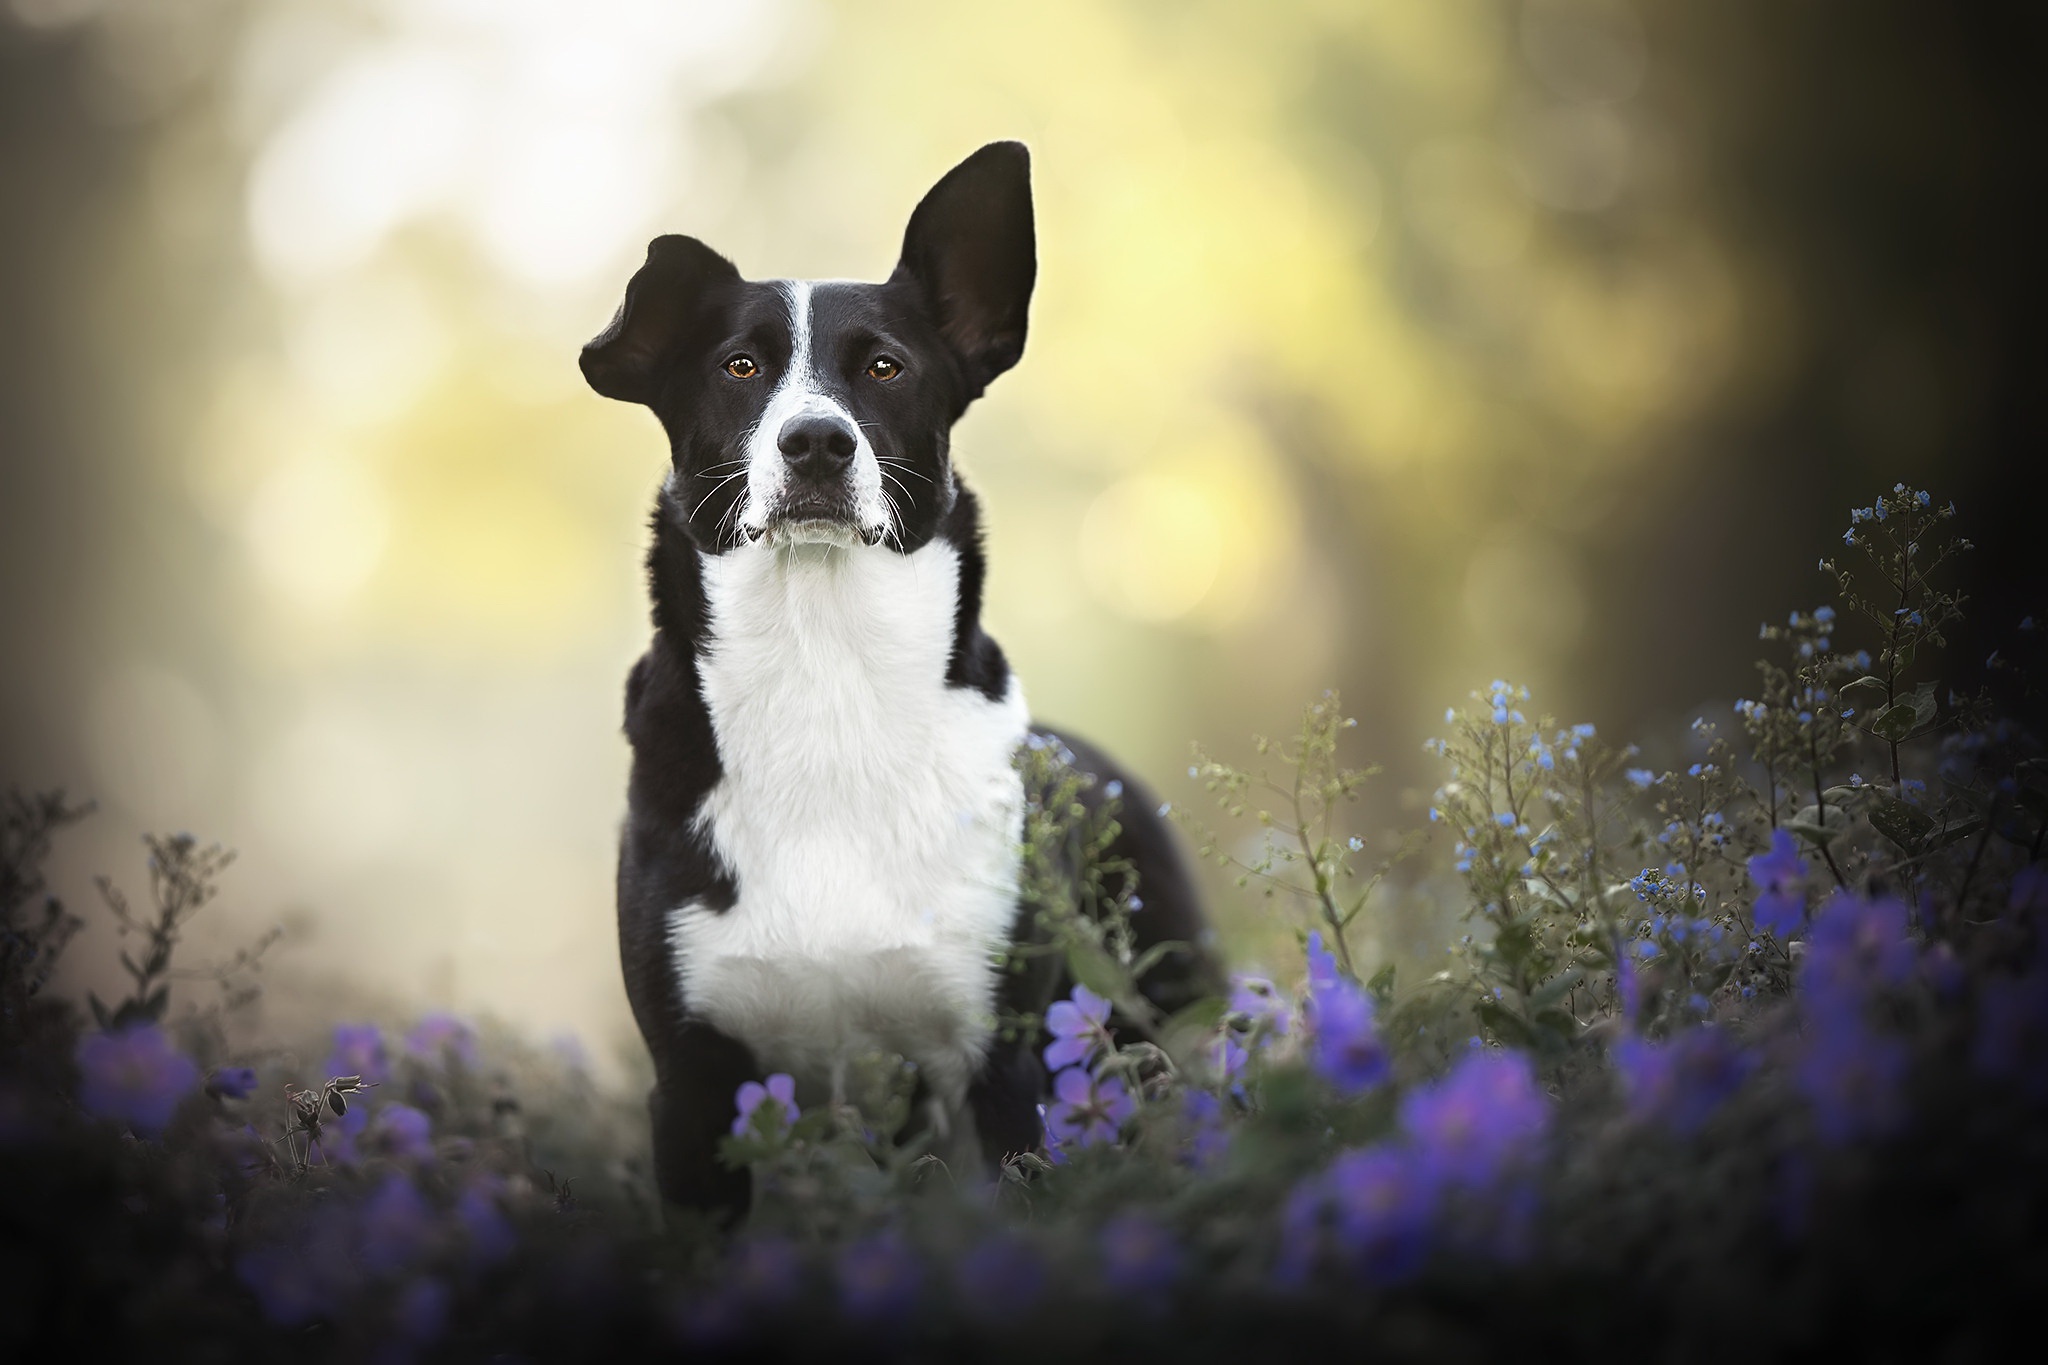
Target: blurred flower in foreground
[
  {"x": 1139, "y": 1256},
  {"x": 397, "y": 1227},
  {"x": 1383, "y": 1205},
  {"x": 438, "y": 1037},
  {"x": 1079, "y": 1027},
  {"x": 879, "y": 1278},
  {"x": 1347, "y": 1052},
  {"x": 403, "y": 1132},
  {"x": 1780, "y": 876},
  {"x": 1682, "y": 1081},
  {"x": 1853, "y": 1078},
  {"x": 232, "y": 1082},
  {"x": 1086, "y": 1110},
  {"x": 359, "y": 1051},
  {"x": 1001, "y": 1277},
  {"x": 1857, "y": 944},
  {"x": 1482, "y": 1118},
  {"x": 135, "y": 1076},
  {"x": 2012, "y": 1031},
  {"x": 781, "y": 1088}
]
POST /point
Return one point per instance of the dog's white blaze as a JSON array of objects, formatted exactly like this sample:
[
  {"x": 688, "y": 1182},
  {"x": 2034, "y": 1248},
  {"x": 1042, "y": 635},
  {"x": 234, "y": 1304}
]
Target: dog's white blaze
[
  {"x": 869, "y": 812},
  {"x": 799, "y": 393}
]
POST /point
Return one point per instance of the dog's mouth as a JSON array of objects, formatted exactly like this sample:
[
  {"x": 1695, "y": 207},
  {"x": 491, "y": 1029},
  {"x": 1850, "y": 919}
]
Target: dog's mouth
[{"x": 814, "y": 518}]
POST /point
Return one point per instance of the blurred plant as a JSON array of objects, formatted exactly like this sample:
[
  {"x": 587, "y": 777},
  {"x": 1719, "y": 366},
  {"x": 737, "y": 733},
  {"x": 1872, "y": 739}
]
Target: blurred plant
[
  {"x": 30, "y": 943},
  {"x": 1708, "y": 1044}
]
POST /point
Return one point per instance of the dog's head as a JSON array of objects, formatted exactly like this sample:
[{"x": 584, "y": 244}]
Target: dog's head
[{"x": 802, "y": 410}]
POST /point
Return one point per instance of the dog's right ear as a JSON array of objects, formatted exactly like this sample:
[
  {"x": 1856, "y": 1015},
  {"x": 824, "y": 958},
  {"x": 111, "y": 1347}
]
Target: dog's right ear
[{"x": 624, "y": 360}]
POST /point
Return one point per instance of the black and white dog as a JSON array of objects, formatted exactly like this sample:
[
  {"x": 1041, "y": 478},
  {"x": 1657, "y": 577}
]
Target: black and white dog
[{"x": 821, "y": 850}]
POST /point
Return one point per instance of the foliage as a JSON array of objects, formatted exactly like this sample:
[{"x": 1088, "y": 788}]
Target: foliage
[{"x": 1729, "y": 1047}]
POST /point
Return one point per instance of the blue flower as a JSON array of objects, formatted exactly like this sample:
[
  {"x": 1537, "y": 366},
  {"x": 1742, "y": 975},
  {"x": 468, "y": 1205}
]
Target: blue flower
[
  {"x": 135, "y": 1076},
  {"x": 396, "y": 1227},
  {"x": 1322, "y": 965},
  {"x": 1001, "y": 1277},
  {"x": 359, "y": 1051},
  {"x": 1139, "y": 1256},
  {"x": 1087, "y": 1110},
  {"x": 1347, "y": 1049},
  {"x": 781, "y": 1089},
  {"x": 1857, "y": 944},
  {"x": 1383, "y": 1202},
  {"x": 1641, "y": 777},
  {"x": 488, "y": 1232},
  {"x": 1260, "y": 1001},
  {"x": 440, "y": 1037},
  {"x": 232, "y": 1082},
  {"x": 2011, "y": 1041},
  {"x": 1780, "y": 876},
  {"x": 1683, "y": 1081},
  {"x": 403, "y": 1132},
  {"x": 1485, "y": 1116},
  {"x": 1853, "y": 1079},
  {"x": 1080, "y": 1029},
  {"x": 1208, "y": 1137},
  {"x": 879, "y": 1279}
]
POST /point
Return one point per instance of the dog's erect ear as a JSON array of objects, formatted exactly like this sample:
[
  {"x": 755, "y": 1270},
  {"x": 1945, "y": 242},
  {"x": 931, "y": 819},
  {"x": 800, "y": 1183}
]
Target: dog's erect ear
[
  {"x": 624, "y": 360},
  {"x": 972, "y": 249}
]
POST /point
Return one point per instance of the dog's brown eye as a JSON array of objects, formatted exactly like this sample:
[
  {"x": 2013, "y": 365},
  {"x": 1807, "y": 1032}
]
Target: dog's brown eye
[
  {"x": 742, "y": 367},
  {"x": 883, "y": 368}
]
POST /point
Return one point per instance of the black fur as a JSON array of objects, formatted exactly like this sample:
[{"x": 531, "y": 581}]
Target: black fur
[{"x": 954, "y": 312}]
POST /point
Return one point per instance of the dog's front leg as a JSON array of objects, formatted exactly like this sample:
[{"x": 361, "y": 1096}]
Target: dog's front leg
[{"x": 698, "y": 1071}]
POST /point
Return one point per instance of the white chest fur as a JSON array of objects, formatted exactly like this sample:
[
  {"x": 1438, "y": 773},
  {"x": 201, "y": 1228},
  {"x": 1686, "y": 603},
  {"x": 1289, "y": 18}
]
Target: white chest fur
[{"x": 869, "y": 812}]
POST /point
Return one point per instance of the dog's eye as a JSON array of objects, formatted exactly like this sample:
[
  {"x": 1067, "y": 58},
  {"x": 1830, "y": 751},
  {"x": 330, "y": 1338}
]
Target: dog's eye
[
  {"x": 742, "y": 367},
  {"x": 883, "y": 368}
]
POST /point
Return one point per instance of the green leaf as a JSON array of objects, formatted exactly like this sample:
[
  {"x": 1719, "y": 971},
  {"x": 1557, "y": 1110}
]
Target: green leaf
[
  {"x": 1188, "y": 1027},
  {"x": 1096, "y": 970},
  {"x": 1513, "y": 942},
  {"x": 1866, "y": 691},
  {"x": 1904, "y": 825},
  {"x": 1381, "y": 986},
  {"x": 1895, "y": 722},
  {"x": 1555, "y": 989},
  {"x": 1504, "y": 1023},
  {"x": 1153, "y": 956}
]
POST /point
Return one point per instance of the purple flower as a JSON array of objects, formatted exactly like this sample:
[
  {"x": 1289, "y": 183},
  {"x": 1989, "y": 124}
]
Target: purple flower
[
  {"x": 1683, "y": 1081},
  {"x": 1780, "y": 876},
  {"x": 765, "y": 1272},
  {"x": 1258, "y": 1000},
  {"x": 232, "y": 1082},
  {"x": 359, "y": 1051},
  {"x": 1487, "y": 1114},
  {"x": 484, "y": 1226},
  {"x": 135, "y": 1076},
  {"x": 1853, "y": 1079},
  {"x": 438, "y": 1037},
  {"x": 1383, "y": 1202},
  {"x": 1085, "y": 1110},
  {"x": 403, "y": 1132},
  {"x": 1628, "y": 987},
  {"x": 1322, "y": 965},
  {"x": 1347, "y": 1051},
  {"x": 1857, "y": 944},
  {"x": 2012, "y": 1032},
  {"x": 396, "y": 1227},
  {"x": 305, "y": 1279},
  {"x": 1139, "y": 1256},
  {"x": 419, "y": 1313},
  {"x": 879, "y": 1279},
  {"x": 1208, "y": 1138},
  {"x": 1001, "y": 1277},
  {"x": 1225, "y": 1055},
  {"x": 781, "y": 1088},
  {"x": 1080, "y": 1029}
]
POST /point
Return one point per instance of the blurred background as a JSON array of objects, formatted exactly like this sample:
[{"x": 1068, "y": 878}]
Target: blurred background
[{"x": 1391, "y": 346}]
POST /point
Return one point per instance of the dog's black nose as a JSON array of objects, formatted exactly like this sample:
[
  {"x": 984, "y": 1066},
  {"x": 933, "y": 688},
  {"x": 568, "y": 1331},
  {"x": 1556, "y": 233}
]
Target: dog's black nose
[{"x": 816, "y": 446}]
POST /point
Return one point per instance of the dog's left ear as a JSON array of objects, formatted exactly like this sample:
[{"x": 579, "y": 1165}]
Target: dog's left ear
[
  {"x": 972, "y": 249},
  {"x": 624, "y": 360}
]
